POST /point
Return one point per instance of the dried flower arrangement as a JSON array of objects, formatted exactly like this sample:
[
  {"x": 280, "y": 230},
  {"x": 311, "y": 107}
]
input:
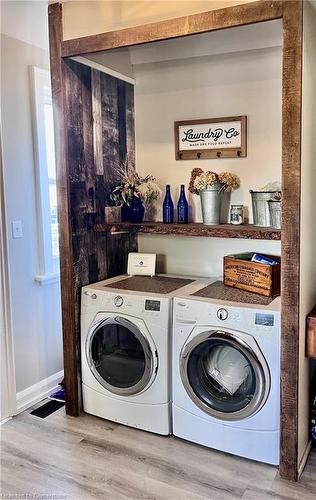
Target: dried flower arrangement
[
  {"x": 194, "y": 174},
  {"x": 205, "y": 180},
  {"x": 132, "y": 185},
  {"x": 230, "y": 181},
  {"x": 202, "y": 180}
]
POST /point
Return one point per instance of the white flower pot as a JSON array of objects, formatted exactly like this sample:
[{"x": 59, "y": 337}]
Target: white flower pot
[{"x": 211, "y": 204}]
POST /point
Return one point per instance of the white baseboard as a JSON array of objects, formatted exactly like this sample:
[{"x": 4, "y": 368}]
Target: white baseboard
[
  {"x": 37, "y": 392},
  {"x": 5, "y": 420}
]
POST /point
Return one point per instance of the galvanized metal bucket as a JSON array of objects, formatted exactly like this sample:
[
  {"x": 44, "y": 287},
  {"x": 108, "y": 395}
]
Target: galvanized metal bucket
[
  {"x": 225, "y": 207},
  {"x": 275, "y": 213},
  {"x": 211, "y": 204},
  {"x": 260, "y": 207}
]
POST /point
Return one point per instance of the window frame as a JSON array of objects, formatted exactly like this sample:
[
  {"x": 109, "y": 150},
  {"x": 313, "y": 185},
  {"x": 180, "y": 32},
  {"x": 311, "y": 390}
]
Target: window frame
[{"x": 48, "y": 271}]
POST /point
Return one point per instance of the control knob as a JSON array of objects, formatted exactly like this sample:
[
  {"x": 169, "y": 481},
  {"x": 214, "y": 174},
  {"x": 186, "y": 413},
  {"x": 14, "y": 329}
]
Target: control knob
[
  {"x": 91, "y": 295},
  {"x": 222, "y": 314},
  {"x": 118, "y": 301}
]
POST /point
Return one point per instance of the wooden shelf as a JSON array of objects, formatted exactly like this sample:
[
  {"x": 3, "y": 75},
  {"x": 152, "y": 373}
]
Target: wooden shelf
[{"x": 245, "y": 231}]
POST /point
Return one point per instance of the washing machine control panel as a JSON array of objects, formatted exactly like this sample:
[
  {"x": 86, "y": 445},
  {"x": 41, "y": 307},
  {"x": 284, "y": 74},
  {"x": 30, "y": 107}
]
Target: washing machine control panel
[
  {"x": 118, "y": 301},
  {"x": 152, "y": 305}
]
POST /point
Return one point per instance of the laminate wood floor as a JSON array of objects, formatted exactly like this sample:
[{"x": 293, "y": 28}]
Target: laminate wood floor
[{"x": 61, "y": 457}]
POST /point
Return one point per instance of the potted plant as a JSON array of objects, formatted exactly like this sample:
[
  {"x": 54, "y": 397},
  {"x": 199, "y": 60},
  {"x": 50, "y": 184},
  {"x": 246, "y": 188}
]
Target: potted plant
[
  {"x": 210, "y": 186},
  {"x": 133, "y": 192}
]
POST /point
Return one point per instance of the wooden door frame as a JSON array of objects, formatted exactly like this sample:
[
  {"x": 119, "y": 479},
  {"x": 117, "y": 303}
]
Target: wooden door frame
[{"x": 291, "y": 13}]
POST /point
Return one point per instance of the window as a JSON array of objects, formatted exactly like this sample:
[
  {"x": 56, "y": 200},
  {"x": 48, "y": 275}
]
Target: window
[{"x": 48, "y": 260}]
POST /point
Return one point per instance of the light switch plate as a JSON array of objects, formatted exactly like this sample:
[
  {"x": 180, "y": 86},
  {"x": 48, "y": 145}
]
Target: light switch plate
[
  {"x": 17, "y": 231},
  {"x": 141, "y": 264}
]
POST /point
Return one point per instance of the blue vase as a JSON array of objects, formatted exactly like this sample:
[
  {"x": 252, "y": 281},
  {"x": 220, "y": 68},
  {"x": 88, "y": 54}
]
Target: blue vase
[
  {"x": 134, "y": 212},
  {"x": 167, "y": 207},
  {"x": 183, "y": 207}
]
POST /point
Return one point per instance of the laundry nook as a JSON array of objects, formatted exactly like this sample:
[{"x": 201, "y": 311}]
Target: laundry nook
[
  {"x": 185, "y": 175},
  {"x": 176, "y": 146}
]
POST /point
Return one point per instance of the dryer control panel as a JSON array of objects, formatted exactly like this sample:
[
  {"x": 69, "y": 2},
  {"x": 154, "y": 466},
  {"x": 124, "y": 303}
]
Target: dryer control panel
[{"x": 258, "y": 322}]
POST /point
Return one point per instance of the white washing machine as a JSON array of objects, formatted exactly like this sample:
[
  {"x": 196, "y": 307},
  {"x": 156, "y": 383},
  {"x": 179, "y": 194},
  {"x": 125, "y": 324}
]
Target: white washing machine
[
  {"x": 126, "y": 349},
  {"x": 226, "y": 375}
]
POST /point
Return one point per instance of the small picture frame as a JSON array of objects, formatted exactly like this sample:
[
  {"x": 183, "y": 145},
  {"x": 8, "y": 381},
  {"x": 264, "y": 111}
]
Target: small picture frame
[
  {"x": 112, "y": 214},
  {"x": 211, "y": 138}
]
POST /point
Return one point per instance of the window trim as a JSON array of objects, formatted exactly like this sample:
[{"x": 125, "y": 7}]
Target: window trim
[{"x": 47, "y": 268}]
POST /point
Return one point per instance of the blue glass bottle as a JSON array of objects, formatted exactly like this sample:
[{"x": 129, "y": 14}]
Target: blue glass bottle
[
  {"x": 183, "y": 207},
  {"x": 167, "y": 207}
]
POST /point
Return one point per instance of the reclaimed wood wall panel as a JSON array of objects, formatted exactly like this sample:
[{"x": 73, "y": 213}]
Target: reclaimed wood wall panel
[
  {"x": 79, "y": 202},
  {"x": 130, "y": 125},
  {"x": 97, "y": 120},
  {"x": 118, "y": 247},
  {"x": 96, "y": 126},
  {"x": 121, "y": 111},
  {"x": 110, "y": 132}
]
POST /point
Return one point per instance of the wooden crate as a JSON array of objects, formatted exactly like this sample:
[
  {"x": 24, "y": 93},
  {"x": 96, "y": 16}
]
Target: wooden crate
[{"x": 240, "y": 272}]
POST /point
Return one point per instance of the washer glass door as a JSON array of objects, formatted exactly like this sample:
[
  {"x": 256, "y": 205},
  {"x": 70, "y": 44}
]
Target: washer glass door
[
  {"x": 119, "y": 356},
  {"x": 223, "y": 375}
]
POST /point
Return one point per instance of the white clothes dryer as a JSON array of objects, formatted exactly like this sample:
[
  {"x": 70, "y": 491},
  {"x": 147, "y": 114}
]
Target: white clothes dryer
[
  {"x": 226, "y": 376},
  {"x": 126, "y": 349}
]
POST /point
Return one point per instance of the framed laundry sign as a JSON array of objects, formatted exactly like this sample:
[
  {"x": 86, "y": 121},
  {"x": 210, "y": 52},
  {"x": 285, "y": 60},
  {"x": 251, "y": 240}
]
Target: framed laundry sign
[{"x": 211, "y": 138}]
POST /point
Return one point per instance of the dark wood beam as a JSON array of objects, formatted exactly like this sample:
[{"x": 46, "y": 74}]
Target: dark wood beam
[
  {"x": 290, "y": 240},
  {"x": 229, "y": 17},
  {"x": 65, "y": 241}
]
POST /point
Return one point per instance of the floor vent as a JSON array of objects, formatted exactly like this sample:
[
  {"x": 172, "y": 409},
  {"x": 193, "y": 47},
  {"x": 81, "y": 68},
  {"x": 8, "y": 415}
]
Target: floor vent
[{"x": 47, "y": 409}]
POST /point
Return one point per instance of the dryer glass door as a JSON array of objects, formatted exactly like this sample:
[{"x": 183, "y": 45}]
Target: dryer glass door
[
  {"x": 120, "y": 356},
  {"x": 224, "y": 376}
]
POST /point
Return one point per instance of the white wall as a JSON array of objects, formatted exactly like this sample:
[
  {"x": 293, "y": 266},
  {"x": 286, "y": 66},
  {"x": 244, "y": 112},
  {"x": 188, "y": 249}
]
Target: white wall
[
  {"x": 26, "y": 21},
  {"x": 35, "y": 309},
  {"x": 308, "y": 215},
  {"x": 190, "y": 256},
  {"x": 227, "y": 41},
  {"x": 224, "y": 85},
  {"x": 7, "y": 387},
  {"x": 81, "y": 18}
]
